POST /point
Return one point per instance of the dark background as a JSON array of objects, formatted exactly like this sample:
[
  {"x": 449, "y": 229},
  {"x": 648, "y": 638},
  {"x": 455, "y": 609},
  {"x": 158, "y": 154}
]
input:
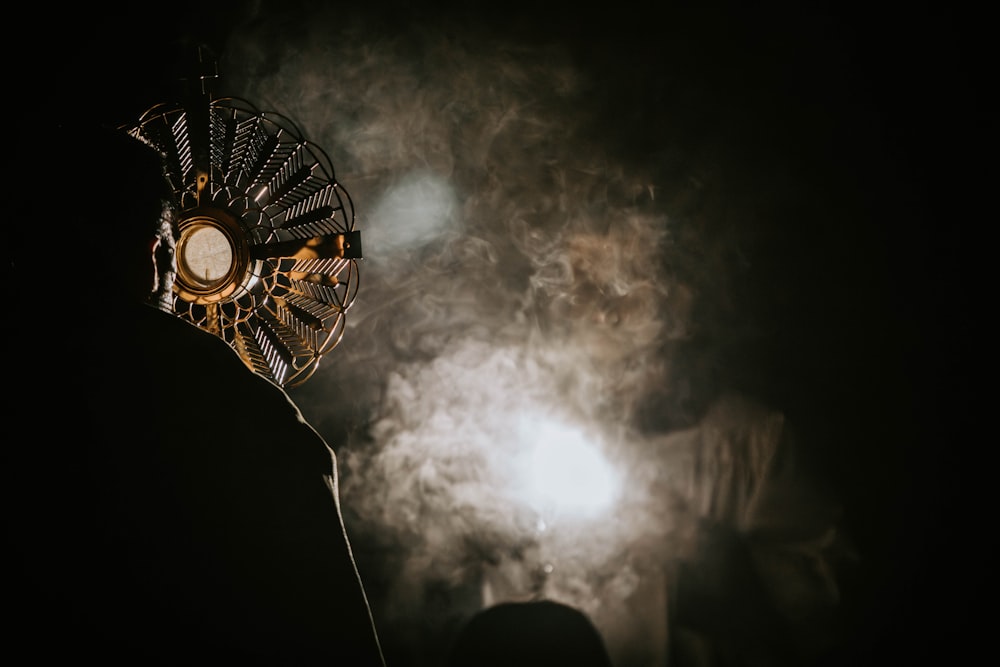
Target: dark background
[{"x": 850, "y": 138}]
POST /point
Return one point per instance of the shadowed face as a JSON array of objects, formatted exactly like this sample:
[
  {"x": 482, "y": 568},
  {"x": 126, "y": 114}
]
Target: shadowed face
[{"x": 164, "y": 258}]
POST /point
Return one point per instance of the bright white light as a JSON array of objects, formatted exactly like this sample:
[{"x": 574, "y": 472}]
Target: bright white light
[{"x": 566, "y": 473}]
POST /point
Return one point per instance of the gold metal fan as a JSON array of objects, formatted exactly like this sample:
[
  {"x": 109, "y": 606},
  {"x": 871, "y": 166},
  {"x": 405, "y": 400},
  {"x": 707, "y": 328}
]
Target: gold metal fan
[{"x": 267, "y": 253}]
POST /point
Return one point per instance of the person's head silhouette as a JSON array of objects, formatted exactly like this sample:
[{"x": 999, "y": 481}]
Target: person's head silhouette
[{"x": 529, "y": 634}]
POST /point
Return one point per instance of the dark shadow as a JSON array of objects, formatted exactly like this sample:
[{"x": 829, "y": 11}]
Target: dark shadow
[{"x": 526, "y": 634}]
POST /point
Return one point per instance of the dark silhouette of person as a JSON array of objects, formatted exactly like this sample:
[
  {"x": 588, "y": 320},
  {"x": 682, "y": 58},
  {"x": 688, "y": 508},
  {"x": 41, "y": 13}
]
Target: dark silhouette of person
[
  {"x": 164, "y": 505},
  {"x": 529, "y": 634}
]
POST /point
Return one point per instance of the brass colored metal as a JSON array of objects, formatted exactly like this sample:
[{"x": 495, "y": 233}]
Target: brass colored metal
[
  {"x": 267, "y": 254},
  {"x": 213, "y": 257}
]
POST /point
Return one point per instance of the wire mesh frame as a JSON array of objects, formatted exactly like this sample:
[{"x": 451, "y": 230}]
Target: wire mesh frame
[{"x": 289, "y": 308}]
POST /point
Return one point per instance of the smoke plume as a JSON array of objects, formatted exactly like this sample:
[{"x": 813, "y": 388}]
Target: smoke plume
[{"x": 523, "y": 275}]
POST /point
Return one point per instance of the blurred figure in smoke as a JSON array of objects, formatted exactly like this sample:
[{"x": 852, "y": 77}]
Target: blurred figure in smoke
[
  {"x": 760, "y": 583},
  {"x": 529, "y": 634},
  {"x": 167, "y": 506}
]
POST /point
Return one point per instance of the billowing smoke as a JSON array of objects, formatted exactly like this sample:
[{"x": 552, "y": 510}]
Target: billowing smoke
[{"x": 521, "y": 286}]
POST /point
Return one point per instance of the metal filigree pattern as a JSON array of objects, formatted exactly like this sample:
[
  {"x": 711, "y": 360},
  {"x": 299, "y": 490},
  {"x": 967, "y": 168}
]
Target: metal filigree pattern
[{"x": 267, "y": 251}]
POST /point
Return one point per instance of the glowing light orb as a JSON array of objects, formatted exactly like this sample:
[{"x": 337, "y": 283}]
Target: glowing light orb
[{"x": 566, "y": 474}]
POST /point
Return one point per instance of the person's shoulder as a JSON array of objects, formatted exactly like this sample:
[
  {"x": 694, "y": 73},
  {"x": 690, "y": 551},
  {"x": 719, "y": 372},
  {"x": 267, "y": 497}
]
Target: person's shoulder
[
  {"x": 178, "y": 341},
  {"x": 203, "y": 373},
  {"x": 198, "y": 361}
]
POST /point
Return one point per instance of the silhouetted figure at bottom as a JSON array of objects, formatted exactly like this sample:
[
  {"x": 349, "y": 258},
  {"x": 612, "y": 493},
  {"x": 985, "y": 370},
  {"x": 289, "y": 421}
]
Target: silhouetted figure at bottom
[{"x": 526, "y": 634}]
